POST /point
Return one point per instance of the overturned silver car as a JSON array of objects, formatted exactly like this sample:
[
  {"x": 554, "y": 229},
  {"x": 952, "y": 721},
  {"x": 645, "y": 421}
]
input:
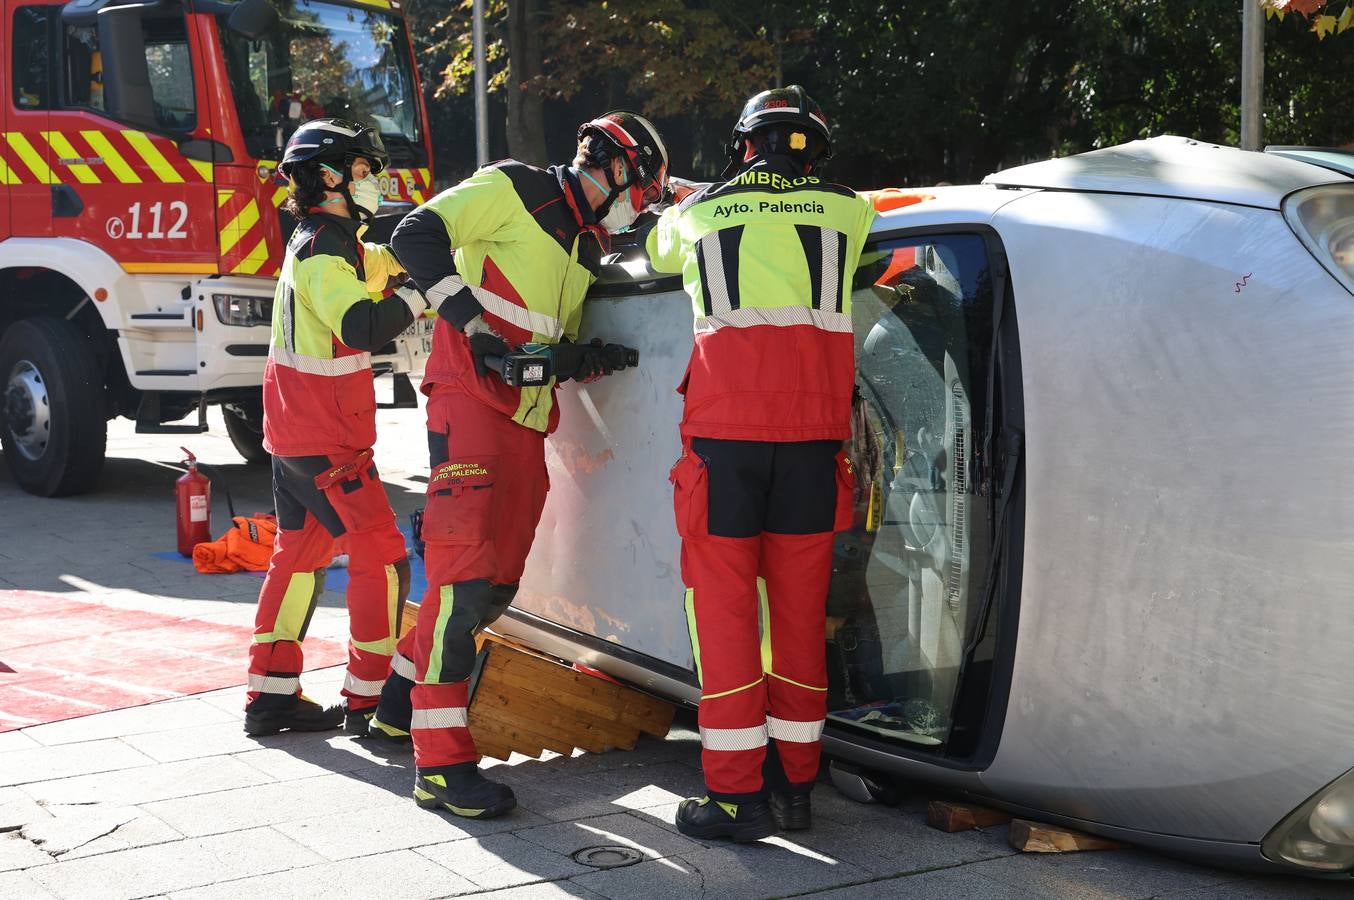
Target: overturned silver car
[{"x": 1103, "y": 556}]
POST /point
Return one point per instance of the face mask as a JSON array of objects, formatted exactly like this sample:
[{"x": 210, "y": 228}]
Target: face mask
[
  {"x": 366, "y": 194},
  {"x": 622, "y": 213}
]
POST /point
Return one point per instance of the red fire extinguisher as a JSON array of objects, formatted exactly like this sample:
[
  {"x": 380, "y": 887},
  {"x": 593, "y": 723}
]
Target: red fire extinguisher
[{"x": 193, "y": 506}]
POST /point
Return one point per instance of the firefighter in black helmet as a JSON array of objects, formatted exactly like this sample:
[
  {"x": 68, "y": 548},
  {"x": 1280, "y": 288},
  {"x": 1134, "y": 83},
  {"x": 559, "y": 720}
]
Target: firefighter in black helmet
[
  {"x": 787, "y": 123},
  {"x": 762, "y": 483},
  {"x": 330, "y": 312}
]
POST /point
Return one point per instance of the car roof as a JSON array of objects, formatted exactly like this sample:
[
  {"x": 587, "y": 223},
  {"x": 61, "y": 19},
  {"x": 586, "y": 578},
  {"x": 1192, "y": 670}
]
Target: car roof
[
  {"x": 1327, "y": 157},
  {"x": 946, "y": 205},
  {"x": 1172, "y": 166}
]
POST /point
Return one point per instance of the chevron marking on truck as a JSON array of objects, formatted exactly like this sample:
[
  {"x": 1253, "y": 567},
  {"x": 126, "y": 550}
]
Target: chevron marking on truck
[
  {"x": 31, "y": 158},
  {"x": 63, "y": 150},
  {"x": 152, "y": 157},
  {"x": 99, "y": 143},
  {"x": 96, "y": 157},
  {"x": 407, "y": 184},
  {"x": 244, "y": 249}
]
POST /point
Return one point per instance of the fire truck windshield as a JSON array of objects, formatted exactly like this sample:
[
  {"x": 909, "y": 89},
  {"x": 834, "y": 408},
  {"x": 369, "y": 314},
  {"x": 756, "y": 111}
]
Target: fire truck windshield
[{"x": 325, "y": 59}]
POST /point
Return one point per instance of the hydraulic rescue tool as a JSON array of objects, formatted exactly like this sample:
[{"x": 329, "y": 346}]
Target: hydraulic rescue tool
[{"x": 533, "y": 365}]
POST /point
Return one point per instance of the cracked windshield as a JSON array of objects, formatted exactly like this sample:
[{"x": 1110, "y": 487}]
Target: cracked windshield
[{"x": 324, "y": 59}]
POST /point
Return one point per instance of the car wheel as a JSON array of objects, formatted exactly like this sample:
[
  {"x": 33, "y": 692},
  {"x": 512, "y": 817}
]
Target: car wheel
[
  {"x": 246, "y": 433},
  {"x": 52, "y": 422}
]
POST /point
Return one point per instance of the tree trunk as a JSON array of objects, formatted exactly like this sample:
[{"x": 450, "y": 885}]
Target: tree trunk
[{"x": 526, "y": 120}]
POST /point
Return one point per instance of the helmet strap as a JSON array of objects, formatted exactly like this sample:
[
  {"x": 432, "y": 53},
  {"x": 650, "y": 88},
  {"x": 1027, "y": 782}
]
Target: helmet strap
[
  {"x": 355, "y": 212},
  {"x": 611, "y": 190}
]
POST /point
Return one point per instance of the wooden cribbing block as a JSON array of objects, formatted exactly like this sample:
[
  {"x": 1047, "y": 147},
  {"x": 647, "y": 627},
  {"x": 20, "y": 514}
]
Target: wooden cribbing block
[
  {"x": 953, "y": 817},
  {"x": 527, "y": 702},
  {"x": 1032, "y": 837}
]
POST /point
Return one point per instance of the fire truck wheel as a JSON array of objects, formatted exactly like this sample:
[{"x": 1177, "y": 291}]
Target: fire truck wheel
[
  {"x": 246, "y": 433},
  {"x": 52, "y": 423}
]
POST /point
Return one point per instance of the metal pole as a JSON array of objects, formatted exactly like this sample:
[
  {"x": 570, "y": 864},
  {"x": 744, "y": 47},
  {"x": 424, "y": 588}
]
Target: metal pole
[
  {"x": 1252, "y": 74},
  {"x": 482, "y": 86}
]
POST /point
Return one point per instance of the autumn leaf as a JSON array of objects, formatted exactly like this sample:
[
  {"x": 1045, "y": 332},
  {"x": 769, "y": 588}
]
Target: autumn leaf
[
  {"x": 1346, "y": 19},
  {"x": 1323, "y": 25},
  {"x": 1305, "y": 7}
]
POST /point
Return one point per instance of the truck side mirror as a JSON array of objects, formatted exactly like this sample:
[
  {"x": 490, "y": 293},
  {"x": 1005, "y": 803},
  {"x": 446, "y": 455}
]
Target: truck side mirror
[{"x": 252, "y": 18}]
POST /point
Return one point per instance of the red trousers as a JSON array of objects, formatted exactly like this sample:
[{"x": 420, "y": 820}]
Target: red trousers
[
  {"x": 318, "y": 499},
  {"x": 486, "y": 492},
  {"x": 756, "y": 521}
]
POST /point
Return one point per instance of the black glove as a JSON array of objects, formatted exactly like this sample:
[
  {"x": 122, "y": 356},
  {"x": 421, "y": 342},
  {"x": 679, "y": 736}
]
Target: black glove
[
  {"x": 618, "y": 356},
  {"x": 482, "y": 344},
  {"x": 594, "y": 358},
  {"x": 570, "y": 360}
]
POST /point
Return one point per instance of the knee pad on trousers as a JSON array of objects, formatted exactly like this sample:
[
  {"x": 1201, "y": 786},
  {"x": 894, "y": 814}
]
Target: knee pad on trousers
[{"x": 452, "y": 657}]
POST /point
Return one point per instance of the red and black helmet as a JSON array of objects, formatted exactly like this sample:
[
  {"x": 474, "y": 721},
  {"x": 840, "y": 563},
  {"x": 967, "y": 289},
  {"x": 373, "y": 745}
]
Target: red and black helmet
[
  {"x": 793, "y": 114},
  {"x": 642, "y": 148},
  {"x": 334, "y": 141}
]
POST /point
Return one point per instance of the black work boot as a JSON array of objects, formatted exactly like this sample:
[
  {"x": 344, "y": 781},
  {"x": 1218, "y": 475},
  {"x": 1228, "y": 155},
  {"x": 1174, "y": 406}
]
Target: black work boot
[
  {"x": 394, "y": 713},
  {"x": 749, "y": 820},
  {"x": 355, "y": 721},
  {"x": 792, "y": 811},
  {"x": 789, "y": 801},
  {"x": 297, "y": 714},
  {"x": 382, "y": 730},
  {"x": 462, "y": 790}
]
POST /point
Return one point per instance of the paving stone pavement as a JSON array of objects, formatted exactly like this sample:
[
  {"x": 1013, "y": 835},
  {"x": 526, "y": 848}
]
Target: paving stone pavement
[{"x": 173, "y": 800}]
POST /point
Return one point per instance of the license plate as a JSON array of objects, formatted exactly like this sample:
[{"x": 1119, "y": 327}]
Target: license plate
[{"x": 420, "y": 328}]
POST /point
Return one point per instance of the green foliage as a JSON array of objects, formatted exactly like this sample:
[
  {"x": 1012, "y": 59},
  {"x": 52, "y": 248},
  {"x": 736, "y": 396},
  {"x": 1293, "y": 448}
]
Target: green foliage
[
  {"x": 668, "y": 55},
  {"x": 916, "y": 91}
]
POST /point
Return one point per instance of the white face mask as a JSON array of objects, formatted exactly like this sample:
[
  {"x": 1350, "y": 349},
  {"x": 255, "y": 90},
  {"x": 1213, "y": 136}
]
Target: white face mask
[
  {"x": 621, "y": 215},
  {"x": 366, "y": 194}
]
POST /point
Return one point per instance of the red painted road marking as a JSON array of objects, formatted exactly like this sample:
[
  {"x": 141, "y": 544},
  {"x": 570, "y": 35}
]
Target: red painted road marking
[{"x": 65, "y": 657}]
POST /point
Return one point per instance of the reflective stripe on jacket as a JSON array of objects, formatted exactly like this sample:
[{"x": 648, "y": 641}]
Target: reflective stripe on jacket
[
  {"x": 511, "y": 243},
  {"x": 767, "y": 258},
  {"x": 318, "y": 397}
]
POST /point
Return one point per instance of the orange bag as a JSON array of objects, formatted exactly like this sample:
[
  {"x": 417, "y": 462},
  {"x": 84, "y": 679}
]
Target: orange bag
[{"x": 247, "y": 546}]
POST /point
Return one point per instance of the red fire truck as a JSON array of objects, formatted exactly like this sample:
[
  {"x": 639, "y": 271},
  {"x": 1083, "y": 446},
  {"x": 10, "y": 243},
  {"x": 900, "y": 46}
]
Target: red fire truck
[{"x": 140, "y": 229}]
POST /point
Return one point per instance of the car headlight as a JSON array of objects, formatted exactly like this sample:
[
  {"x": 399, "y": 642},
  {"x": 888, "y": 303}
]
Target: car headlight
[
  {"x": 1323, "y": 219},
  {"x": 1319, "y": 834},
  {"x": 243, "y": 310}
]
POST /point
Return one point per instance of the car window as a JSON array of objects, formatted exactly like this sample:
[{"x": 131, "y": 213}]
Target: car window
[
  {"x": 907, "y": 579},
  {"x": 1336, "y": 160}
]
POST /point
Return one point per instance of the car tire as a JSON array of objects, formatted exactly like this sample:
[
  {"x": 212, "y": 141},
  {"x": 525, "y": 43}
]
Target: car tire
[
  {"x": 53, "y": 426},
  {"x": 246, "y": 436}
]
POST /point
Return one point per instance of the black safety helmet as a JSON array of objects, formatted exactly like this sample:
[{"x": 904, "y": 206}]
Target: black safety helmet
[
  {"x": 638, "y": 142},
  {"x": 793, "y": 122},
  {"x": 334, "y": 141}
]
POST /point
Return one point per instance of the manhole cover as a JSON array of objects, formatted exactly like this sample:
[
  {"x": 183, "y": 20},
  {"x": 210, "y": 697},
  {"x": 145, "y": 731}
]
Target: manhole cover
[{"x": 608, "y": 857}]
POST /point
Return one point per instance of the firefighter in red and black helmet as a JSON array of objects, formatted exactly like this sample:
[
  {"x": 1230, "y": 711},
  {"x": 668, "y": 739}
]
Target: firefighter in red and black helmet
[{"x": 506, "y": 256}]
